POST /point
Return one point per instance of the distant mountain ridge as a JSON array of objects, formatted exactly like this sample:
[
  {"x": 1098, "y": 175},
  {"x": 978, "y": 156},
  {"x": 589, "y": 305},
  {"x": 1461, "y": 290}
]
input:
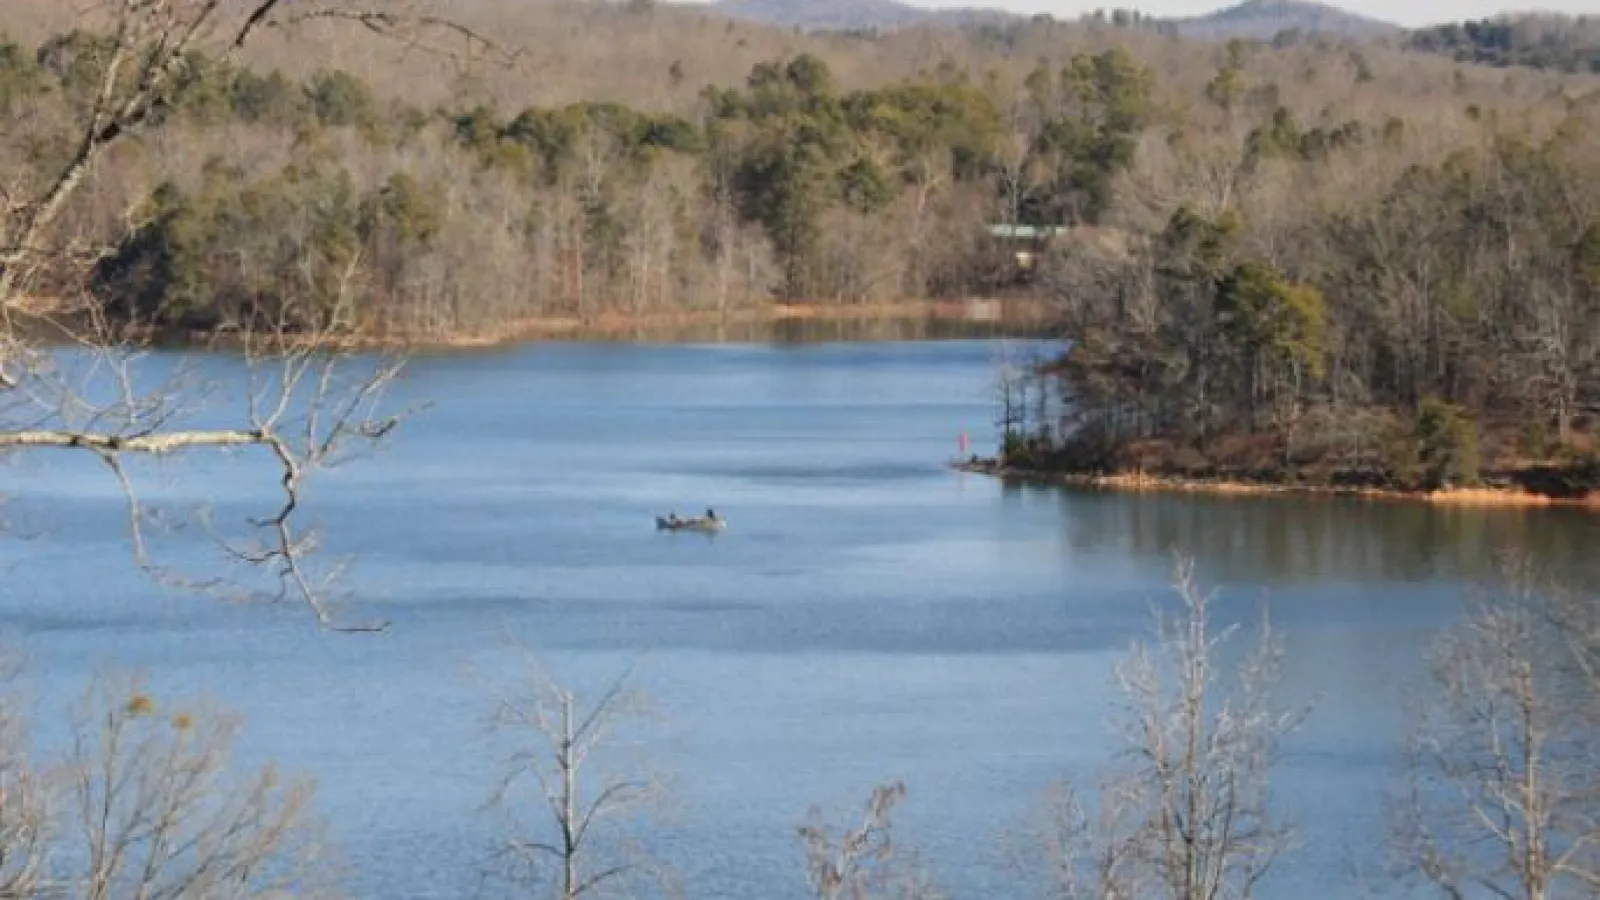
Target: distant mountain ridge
[
  {"x": 848, "y": 15},
  {"x": 1250, "y": 20},
  {"x": 1262, "y": 20}
]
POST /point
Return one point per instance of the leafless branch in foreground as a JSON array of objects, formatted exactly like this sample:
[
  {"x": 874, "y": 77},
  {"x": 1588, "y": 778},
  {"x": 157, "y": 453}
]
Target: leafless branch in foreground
[
  {"x": 562, "y": 772},
  {"x": 145, "y": 803},
  {"x": 25, "y": 801},
  {"x": 1086, "y": 860},
  {"x": 862, "y": 862},
  {"x": 1186, "y": 811},
  {"x": 314, "y": 412},
  {"x": 160, "y": 817},
  {"x": 433, "y": 34},
  {"x": 1503, "y": 765},
  {"x": 307, "y": 409}
]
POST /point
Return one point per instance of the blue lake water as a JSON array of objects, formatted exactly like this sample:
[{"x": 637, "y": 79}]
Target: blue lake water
[{"x": 869, "y": 614}]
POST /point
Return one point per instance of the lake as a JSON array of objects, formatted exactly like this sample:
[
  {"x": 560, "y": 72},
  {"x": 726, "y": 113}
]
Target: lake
[{"x": 869, "y": 614}]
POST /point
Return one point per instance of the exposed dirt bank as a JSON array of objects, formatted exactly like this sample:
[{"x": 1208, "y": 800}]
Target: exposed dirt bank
[{"x": 1505, "y": 495}]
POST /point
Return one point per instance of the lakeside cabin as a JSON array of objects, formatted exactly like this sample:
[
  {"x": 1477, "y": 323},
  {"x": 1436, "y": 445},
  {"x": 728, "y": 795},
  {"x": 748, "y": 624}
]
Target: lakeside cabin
[{"x": 1026, "y": 244}]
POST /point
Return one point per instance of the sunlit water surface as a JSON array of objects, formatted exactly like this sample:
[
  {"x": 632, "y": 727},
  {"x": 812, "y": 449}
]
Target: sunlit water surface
[{"x": 869, "y": 615}]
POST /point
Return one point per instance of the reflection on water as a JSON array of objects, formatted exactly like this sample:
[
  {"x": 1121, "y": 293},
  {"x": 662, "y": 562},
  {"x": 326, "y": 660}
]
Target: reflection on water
[
  {"x": 801, "y": 330},
  {"x": 1310, "y": 540}
]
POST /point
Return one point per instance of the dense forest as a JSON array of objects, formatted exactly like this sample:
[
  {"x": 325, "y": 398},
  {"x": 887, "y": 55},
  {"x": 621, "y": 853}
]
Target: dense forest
[
  {"x": 1357, "y": 307},
  {"x": 842, "y": 170},
  {"x": 1310, "y": 255},
  {"x": 266, "y": 195}
]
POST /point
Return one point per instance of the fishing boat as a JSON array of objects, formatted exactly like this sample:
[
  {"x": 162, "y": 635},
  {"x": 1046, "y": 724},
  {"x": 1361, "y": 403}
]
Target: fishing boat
[{"x": 709, "y": 522}]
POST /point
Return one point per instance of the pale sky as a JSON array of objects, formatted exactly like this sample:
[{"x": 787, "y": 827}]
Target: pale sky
[{"x": 1409, "y": 13}]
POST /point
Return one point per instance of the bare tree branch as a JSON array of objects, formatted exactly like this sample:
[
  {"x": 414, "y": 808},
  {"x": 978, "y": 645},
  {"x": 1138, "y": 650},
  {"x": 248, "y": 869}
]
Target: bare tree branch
[
  {"x": 409, "y": 29},
  {"x": 26, "y": 803},
  {"x": 553, "y": 769},
  {"x": 1186, "y": 812},
  {"x": 1503, "y": 774},
  {"x": 307, "y": 416},
  {"x": 863, "y": 863},
  {"x": 145, "y": 804}
]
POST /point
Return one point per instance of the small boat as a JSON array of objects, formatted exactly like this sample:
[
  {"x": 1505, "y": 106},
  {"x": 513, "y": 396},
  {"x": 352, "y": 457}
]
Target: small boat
[{"x": 699, "y": 523}]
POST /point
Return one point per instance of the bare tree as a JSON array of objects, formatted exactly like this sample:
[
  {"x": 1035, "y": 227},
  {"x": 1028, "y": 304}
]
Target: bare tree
[
  {"x": 1085, "y": 860},
  {"x": 862, "y": 862},
  {"x": 146, "y": 803},
  {"x": 1503, "y": 772},
  {"x": 156, "y": 813},
  {"x": 25, "y": 807},
  {"x": 559, "y": 774},
  {"x": 315, "y": 413},
  {"x": 1012, "y": 379},
  {"x": 1186, "y": 810}
]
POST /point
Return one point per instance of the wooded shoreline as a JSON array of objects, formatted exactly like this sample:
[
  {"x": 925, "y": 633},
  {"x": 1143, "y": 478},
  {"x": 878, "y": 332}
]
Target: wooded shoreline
[
  {"x": 1496, "y": 491},
  {"x": 1014, "y": 316}
]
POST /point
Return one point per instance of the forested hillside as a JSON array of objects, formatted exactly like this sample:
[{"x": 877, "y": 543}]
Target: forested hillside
[
  {"x": 1263, "y": 20},
  {"x": 1410, "y": 303},
  {"x": 1559, "y": 43},
  {"x": 1389, "y": 218},
  {"x": 1257, "y": 20}
]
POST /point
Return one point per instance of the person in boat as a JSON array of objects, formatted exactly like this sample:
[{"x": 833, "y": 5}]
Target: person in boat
[
  {"x": 711, "y": 514},
  {"x": 672, "y": 518}
]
